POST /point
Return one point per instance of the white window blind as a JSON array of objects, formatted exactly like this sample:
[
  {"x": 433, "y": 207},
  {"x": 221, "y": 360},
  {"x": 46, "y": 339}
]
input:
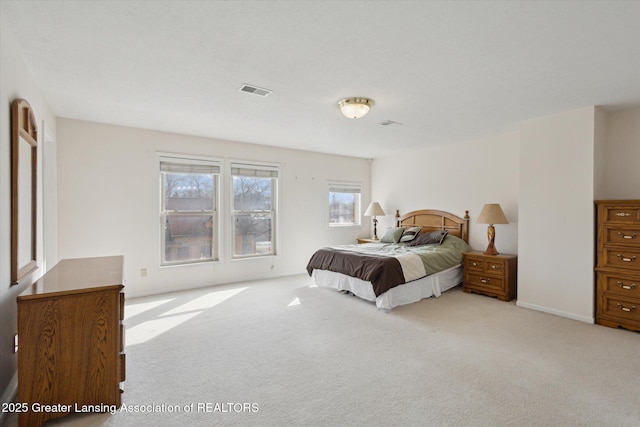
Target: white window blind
[
  {"x": 254, "y": 171},
  {"x": 169, "y": 166},
  {"x": 345, "y": 188}
]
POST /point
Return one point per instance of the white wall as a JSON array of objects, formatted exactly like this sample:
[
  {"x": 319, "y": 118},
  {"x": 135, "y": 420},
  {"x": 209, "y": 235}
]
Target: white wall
[
  {"x": 556, "y": 230},
  {"x": 109, "y": 203},
  {"x": 622, "y": 166},
  {"x": 546, "y": 177},
  {"x": 454, "y": 178},
  {"x": 600, "y": 154},
  {"x": 16, "y": 82}
]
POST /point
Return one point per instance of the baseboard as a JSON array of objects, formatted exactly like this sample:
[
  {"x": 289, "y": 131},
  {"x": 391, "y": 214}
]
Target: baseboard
[
  {"x": 560, "y": 313},
  {"x": 180, "y": 288},
  {"x": 9, "y": 394}
]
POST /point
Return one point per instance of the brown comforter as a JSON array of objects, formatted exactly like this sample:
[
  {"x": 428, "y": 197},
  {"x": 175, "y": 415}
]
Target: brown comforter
[{"x": 383, "y": 272}]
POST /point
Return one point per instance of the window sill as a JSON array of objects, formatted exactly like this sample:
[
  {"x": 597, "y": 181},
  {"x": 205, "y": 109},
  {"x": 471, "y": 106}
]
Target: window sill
[{"x": 190, "y": 264}]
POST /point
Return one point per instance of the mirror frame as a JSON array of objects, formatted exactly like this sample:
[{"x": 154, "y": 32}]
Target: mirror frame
[{"x": 23, "y": 128}]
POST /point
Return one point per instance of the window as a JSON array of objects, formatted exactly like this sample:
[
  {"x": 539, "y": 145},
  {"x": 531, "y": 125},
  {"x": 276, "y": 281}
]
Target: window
[
  {"x": 189, "y": 220},
  {"x": 253, "y": 209},
  {"x": 344, "y": 204}
]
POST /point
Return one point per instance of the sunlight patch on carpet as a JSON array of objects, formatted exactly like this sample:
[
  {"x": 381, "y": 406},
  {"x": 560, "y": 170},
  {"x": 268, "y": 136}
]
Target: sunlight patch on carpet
[
  {"x": 206, "y": 301},
  {"x": 294, "y": 302},
  {"x": 135, "y": 309},
  {"x": 151, "y": 329},
  {"x": 170, "y": 319}
]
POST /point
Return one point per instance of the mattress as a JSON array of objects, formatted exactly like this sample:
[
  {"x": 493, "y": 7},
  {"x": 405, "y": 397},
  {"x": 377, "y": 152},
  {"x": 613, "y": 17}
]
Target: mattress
[{"x": 407, "y": 293}]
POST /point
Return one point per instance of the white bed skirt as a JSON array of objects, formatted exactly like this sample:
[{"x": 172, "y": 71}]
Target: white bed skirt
[{"x": 407, "y": 293}]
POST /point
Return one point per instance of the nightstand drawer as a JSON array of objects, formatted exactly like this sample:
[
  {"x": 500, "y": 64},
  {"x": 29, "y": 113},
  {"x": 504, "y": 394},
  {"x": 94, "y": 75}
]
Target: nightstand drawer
[
  {"x": 362, "y": 241},
  {"x": 474, "y": 264},
  {"x": 488, "y": 266},
  {"x": 484, "y": 281},
  {"x": 494, "y": 267}
]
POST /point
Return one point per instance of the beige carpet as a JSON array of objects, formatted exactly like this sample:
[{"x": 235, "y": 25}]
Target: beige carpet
[{"x": 282, "y": 352}]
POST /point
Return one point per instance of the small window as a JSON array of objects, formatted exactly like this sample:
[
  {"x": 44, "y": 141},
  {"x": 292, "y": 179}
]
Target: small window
[
  {"x": 344, "y": 204},
  {"x": 253, "y": 213},
  {"x": 189, "y": 221}
]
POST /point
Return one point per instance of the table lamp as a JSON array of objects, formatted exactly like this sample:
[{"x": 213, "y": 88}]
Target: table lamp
[
  {"x": 492, "y": 214},
  {"x": 374, "y": 210}
]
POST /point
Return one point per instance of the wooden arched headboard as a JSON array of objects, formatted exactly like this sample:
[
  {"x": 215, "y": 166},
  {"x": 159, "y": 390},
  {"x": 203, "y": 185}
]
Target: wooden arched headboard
[{"x": 432, "y": 220}]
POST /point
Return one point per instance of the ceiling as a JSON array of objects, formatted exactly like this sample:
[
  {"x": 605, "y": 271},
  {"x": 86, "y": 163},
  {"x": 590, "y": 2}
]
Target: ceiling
[{"x": 447, "y": 71}]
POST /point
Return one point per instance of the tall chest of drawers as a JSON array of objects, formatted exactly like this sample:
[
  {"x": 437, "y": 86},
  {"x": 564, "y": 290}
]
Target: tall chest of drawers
[
  {"x": 618, "y": 263},
  {"x": 71, "y": 340}
]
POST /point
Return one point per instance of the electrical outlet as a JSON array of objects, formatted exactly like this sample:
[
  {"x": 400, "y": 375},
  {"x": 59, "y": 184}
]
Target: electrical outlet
[
  {"x": 15, "y": 343},
  {"x": 143, "y": 272}
]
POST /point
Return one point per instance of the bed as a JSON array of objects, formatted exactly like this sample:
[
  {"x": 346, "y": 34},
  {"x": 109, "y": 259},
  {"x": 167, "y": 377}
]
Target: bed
[{"x": 393, "y": 274}]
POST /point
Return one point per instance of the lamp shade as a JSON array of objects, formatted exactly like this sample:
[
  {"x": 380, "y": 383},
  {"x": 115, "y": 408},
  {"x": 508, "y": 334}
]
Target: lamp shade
[
  {"x": 374, "y": 209},
  {"x": 492, "y": 214}
]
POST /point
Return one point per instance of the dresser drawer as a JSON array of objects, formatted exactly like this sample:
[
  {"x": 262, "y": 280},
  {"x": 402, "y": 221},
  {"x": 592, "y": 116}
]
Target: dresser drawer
[
  {"x": 626, "y": 214},
  {"x": 621, "y": 257},
  {"x": 121, "y": 305},
  {"x": 123, "y": 367},
  {"x": 620, "y": 235},
  {"x": 619, "y": 284},
  {"x": 484, "y": 282},
  {"x": 621, "y": 308}
]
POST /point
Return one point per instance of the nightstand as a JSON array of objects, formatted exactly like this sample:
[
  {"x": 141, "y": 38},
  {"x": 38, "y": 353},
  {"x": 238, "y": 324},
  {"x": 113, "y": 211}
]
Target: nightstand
[
  {"x": 361, "y": 241},
  {"x": 492, "y": 275}
]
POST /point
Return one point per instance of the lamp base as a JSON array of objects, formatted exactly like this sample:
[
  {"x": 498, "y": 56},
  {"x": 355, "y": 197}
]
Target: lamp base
[
  {"x": 491, "y": 235},
  {"x": 375, "y": 229},
  {"x": 491, "y": 250}
]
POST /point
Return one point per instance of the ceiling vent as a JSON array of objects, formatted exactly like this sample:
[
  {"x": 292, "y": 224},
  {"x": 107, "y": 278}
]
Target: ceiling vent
[
  {"x": 389, "y": 123},
  {"x": 255, "y": 90}
]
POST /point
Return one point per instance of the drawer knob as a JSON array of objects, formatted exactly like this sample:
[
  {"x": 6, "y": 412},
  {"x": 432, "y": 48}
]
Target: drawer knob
[
  {"x": 483, "y": 280},
  {"x": 494, "y": 266},
  {"x": 627, "y": 259},
  {"x": 627, "y": 236},
  {"x": 627, "y": 309},
  {"x": 628, "y": 287},
  {"x": 475, "y": 264},
  {"x": 623, "y": 214}
]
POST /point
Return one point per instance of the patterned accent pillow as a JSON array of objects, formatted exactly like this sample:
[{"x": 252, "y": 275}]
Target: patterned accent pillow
[
  {"x": 434, "y": 237},
  {"x": 409, "y": 234},
  {"x": 392, "y": 235}
]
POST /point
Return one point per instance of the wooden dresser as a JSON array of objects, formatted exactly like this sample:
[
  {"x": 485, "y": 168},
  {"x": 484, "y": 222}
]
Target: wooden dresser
[
  {"x": 493, "y": 275},
  {"x": 71, "y": 343},
  {"x": 618, "y": 263}
]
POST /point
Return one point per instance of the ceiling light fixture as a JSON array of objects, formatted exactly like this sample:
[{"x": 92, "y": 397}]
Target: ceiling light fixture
[{"x": 355, "y": 108}]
